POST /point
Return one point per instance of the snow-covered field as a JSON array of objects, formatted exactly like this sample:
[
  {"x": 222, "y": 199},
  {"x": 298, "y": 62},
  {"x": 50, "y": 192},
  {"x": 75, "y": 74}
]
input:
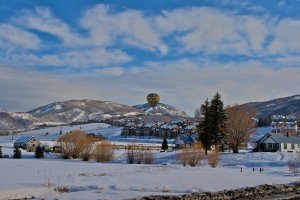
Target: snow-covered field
[{"x": 118, "y": 180}]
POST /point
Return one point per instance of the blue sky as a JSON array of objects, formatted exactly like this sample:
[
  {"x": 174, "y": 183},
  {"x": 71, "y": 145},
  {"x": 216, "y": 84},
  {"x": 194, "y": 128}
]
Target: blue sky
[{"x": 121, "y": 50}]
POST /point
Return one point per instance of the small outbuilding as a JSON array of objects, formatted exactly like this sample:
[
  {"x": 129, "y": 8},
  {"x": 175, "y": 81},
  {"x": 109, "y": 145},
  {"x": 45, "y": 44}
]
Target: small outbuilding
[
  {"x": 182, "y": 140},
  {"x": 28, "y": 143},
  {"x": 272, "y": 142}
]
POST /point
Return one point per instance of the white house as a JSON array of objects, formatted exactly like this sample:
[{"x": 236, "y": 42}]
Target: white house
[
  {"x": 278, "y": 142},
  {"x": 28, "y": 143}
]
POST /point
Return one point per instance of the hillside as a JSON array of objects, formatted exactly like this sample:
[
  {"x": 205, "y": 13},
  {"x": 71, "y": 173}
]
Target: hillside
[
  {"x": 283, "y": 106},
  {"x": 82, "y": 111},
  {"x": 12, "y": 121}
]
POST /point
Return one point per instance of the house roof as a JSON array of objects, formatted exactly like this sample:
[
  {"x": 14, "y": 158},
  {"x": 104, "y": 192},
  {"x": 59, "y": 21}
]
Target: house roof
[
  {"x": 184, "y": 139},
  {"x": 23, "y": 139},
  {"x": 281, "y": 138}
]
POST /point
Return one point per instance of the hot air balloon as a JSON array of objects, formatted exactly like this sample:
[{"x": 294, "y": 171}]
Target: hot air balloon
[{"x": 153, "y": 99}]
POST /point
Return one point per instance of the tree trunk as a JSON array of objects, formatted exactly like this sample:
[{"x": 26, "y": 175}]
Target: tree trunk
[{"x": 235, "y": 149}]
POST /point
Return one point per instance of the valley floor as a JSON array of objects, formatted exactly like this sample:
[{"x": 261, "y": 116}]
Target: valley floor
[{"x": 119, "y": 180}]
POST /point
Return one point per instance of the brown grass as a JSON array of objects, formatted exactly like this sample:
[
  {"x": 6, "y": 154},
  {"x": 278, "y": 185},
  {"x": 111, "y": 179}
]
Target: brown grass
[
  {"x": 214, "y": 157},
  {"x": 191, "y": 155},
  {"x": 76, "y": 144},
  {"x": 103, "y": 151},
  {"x": 138, "y": 155}
]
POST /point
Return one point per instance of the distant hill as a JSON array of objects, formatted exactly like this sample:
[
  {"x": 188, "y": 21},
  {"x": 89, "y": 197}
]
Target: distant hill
[
  {"x": 162, "y": 109},
  {"x": 82, "y": 111},
  {"x": 13, "y": 121},
  {"x": 283, "y": 106}
]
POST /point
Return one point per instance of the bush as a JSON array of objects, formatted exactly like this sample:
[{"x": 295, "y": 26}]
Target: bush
[
  {"x": 138, "y": 155},
  {"x": 39, "y": 152},
  {"x": 213, "y": 158},
  {"x": 148, "y": 156},
  {"x": 103, "y": 151},
  {"x": 130, "y": 153},
  {"x": 294, "y": 165},
  {"x": 17, "y": 153},
  {"x": 87, "y": 152},
  {"x": 76, "y": 144},
  {"x": 192, "y": 155},
  {"x": 0, "y": 151}
]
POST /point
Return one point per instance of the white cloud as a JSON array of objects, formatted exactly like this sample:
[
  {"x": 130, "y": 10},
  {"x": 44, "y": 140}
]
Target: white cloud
[
  {"x": 129, "y": 26},
  {"x": 12, "y": 37},
  {"x": 213, "y": 31},
  {"x": 43, "y": 20},
  {"x": 286, "y": 37},
  {"x": 112, "y": 71},
  {"x": 96, "y": 57}
]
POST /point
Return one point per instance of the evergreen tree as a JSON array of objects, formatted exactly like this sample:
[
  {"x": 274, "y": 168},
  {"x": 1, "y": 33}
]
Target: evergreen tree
[
  {"x": 217, "y": 119},
  {"x": 204, "y": 126},
  {"x": 39, "y": 152},
  {"x": 0, "y": 151},
  {"x": 164, "y": 145},
  {"x": 17, "y": 152}
]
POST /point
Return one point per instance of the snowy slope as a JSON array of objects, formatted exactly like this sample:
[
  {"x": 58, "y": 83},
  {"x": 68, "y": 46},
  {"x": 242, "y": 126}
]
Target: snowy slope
[
  {"x": 162, "y": 109},
  {"x": 82, "y": 111},
  {"x": 11, "y": 121},
  {"x": 280, "y": 106}
]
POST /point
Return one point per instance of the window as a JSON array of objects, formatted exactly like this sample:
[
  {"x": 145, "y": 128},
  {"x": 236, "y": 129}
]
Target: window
[
  {"x": 32, "y": 145},
  {"x": 285, "y": 145},
  {"x": 293, "y": 146}
]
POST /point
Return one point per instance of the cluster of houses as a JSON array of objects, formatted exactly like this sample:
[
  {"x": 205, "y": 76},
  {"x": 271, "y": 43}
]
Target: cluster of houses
[
  {"x": 284, "y": 135},
  {"x": 183, "y": 132},
  {"x": 159, "y": 129}
]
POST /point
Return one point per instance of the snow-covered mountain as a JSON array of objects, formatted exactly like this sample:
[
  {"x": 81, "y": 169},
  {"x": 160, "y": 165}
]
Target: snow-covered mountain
[
  {"x": 162, "y": 109},
  {"x": 82, "y": 111},
  {"x": 13, "y": 121},
  {"x": 282, "y": 106}
]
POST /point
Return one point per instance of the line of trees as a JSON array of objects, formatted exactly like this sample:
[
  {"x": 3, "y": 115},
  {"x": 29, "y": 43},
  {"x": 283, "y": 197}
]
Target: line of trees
[{"x": 219, "y": 126}]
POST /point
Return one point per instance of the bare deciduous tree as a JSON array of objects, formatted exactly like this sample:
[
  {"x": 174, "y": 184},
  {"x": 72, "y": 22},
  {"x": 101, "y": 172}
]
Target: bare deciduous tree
[{"x": 240, "y": 126}]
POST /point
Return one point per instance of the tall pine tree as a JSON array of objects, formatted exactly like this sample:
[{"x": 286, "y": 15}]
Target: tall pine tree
[
  {"x": 212, "y": 124},
  {"x": 164, "y": 145},
  {"x": 205, "y": 125},
  {"x": 218, "y": 120}
]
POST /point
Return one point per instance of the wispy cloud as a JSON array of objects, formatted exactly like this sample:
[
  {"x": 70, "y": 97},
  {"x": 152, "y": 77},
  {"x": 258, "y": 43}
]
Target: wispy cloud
[
  {"x": 42, "y": 19},
  {"x": 12, "y": 37},
  {"x": 129, "y": 27},
  {"x": 95, "y": 57}
]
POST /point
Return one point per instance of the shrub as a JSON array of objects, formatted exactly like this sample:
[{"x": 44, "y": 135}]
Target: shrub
[
  {"x": 103, "y": 151},
  {"x": 87, "y": 152},
  {"x": 0, "y": 151},
  {"x": 213, "y": 158},
  {"x": 17, "y": 153},
  {"x": 191, "y": 155},
  {"x": 138, "y": 155},
  {"x": 294, "y": 165},
  {"x": 39, "y": 152},
  {"x": 62, "y": 189},
  {"x": 76, "y": 144},
  {"x": 130, "y": 153},
  {"x": 148, "y": 156}
]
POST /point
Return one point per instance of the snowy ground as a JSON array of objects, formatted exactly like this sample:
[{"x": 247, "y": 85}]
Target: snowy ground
[{"x": 118, "y": 180}]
